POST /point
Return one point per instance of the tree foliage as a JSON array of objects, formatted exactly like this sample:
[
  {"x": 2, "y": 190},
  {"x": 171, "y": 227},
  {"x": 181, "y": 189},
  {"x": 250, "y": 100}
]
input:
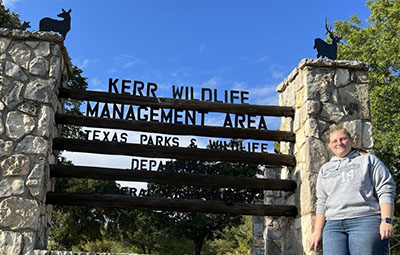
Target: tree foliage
[
  {"x": 8, "y": 18},
  {"x": 234, "y": 241}
]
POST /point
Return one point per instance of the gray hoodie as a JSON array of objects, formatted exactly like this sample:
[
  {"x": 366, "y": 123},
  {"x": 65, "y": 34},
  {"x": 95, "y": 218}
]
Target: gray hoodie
[{"x": 353, "y": 186}]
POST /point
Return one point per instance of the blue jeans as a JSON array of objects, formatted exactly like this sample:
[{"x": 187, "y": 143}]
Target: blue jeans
[{"x": 357, "y": 236}]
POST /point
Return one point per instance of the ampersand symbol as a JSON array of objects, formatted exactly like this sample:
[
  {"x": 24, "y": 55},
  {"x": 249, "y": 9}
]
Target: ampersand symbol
[{"x": 193, "y": 143}]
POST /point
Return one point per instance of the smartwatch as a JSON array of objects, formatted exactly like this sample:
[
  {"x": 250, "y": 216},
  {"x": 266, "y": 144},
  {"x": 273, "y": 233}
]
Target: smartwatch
[{"x": 387, "y": 220}]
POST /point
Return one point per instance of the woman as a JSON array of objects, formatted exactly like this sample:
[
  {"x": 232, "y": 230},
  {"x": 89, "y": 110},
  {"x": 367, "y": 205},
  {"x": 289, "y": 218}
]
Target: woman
[{"x": 355, "y": 201}]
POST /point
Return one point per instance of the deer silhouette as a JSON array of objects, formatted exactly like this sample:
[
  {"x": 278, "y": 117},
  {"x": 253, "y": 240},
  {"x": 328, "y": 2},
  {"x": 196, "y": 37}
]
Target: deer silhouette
[
  {"x": 24, "y": 26},
  {"x": 325, "y": 49},
  {"x": 60, "y": 26}
]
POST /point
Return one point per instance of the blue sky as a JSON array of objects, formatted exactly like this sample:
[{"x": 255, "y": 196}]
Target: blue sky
[{"x": 224, "y": 44}]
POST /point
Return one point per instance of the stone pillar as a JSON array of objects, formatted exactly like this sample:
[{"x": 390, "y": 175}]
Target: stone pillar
[
  {"x": 32, "y": 68},
  {"x": 322, "y": 92}
]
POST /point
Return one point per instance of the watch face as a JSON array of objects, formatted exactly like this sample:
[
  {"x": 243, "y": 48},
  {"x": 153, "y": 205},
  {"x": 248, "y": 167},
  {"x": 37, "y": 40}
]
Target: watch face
[{"x": 388, "y": 220}]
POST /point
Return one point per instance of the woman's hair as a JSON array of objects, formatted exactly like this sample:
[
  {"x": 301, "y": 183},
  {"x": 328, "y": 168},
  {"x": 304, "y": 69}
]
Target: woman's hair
[{"x": 334, "y": 128}]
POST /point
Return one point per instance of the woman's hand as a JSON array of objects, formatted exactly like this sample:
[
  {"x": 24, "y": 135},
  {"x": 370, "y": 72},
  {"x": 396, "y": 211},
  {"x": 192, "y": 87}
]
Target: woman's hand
[
  {"x": 386, "y": 230},
  {"x": 315, "y": 240}
]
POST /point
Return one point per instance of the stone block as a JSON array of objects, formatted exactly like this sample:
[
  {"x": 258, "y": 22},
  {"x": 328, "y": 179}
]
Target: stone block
[
  {"x": 301, "y": 154},
  {"x": 360, "y": 77},
  {"x": 19, "y": 213},
  {"x": 43, "y": 49},
  {"x": 258, "y": 229},
  {"x": 10, "y": 243},
  {"x": 342, "y": 77},
  {"x": 303, "y": 115},
  {"x": 14, "y": 95},
  {"x": 12, "y": 186},
  {"x": 2, "y": 128},
  {"x": 355, "y": 101},
  {"x": 19, "y": 124},
  {"x": 332, "y": 113},
  {"x": 367, "y": 139},
  {"x": 4, "y": 43},
  {"x": 28, "y": 243},
  {"x": 33, "y": 145},
  {"x": 55, "y": 70},
  {"x": 32, "y": 44},
  {"x": 55, "y": 49},
  {"x": 323, "y": 127},
  {"x": 42, "y": 91},
  {"x": 307, "y": 193},
  {"x": 300, "y": 98},
  {"x": 5, "y": 147},
  {"x": 39, "y": 66},
  {"x": 300, "y": 137},
  {"x": 29, "y": 107},
  {"x": 21, "y": 54},
  {"x": 5, "y": 85},
  {"x": 46, "y": 121},
  {"x": 313, "y": 108},
  {"x": 319, "y": 84},
  {"x": 317, "y": 154},
  {"x": 296, "y": 120},
  {"x": 15, "y": 71},
  {"x": 36, "y": 181},
  {"x": 311, "y": 128}
]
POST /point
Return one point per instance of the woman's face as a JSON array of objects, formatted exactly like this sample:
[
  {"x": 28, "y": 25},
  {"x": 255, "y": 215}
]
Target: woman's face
[{"x": 340, "y": 143}]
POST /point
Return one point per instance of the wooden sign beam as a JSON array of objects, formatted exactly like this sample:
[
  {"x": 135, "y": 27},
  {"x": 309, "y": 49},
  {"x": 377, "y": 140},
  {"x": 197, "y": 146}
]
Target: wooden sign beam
[
  {"x": 179, "y": 104},
  {"x": 128, "y": 149},
  {"x": 176, "y": 129},
  {"x": 164, "y": 204},
  {"x": 170, "y": 178}
]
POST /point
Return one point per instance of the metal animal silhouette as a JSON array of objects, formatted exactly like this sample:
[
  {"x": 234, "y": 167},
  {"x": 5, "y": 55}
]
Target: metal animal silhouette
[
  {"x": 24, "y": 26},
  {"x": 60, "y": 26},
  {"x": 325, "y": 49}
]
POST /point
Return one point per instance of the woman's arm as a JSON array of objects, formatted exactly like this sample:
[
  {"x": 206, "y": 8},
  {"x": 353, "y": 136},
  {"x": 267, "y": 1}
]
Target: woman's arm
[
  {"x": 386, "y": 230},
  {"x": 316, "y": 236}
]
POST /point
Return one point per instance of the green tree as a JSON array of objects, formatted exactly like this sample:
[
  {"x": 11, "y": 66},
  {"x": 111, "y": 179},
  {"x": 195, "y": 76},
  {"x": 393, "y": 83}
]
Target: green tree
[
  {"x": 236, "y": 240},
  {"x": 377, "y": 42},
  {"x": 8, "y": 18},
  {"x": 200, "y": 227}
]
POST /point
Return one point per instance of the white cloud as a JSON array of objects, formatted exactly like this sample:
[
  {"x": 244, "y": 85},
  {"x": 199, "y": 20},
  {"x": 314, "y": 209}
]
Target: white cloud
[
  {"x": 84, "y": 63},
  {"x": 127, "y": 61},
  {"x": 278, "y": 72},
  {"x": 202, "y": 47},
  {"x": 96, "y": 84},
  {"x": 260, "y": 60},
  {"x": 211, "y": 83},
  {"x": 264, "y": 95},
  {"x": 239, "y": 86},
  {"x": 10, "y": 3},
  {"x": 131, "y": 63}
]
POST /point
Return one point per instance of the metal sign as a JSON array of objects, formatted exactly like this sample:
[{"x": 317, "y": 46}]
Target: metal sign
[
  {"x": 60, "y": 26},
  {"x": 148, "y": 113},
  {"x": 325, "y": 49}
]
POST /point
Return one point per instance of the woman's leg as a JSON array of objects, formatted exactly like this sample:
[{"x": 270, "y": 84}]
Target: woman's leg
[
  {"x": 335, "y": 239},
  {"x": 364, "y": 237}
]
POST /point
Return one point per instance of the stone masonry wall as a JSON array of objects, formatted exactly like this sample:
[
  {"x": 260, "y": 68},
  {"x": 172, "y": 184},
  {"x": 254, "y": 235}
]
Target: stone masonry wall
[
  {"x": 322, "y": 92},
  {"x": 33, "y": 65}
]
